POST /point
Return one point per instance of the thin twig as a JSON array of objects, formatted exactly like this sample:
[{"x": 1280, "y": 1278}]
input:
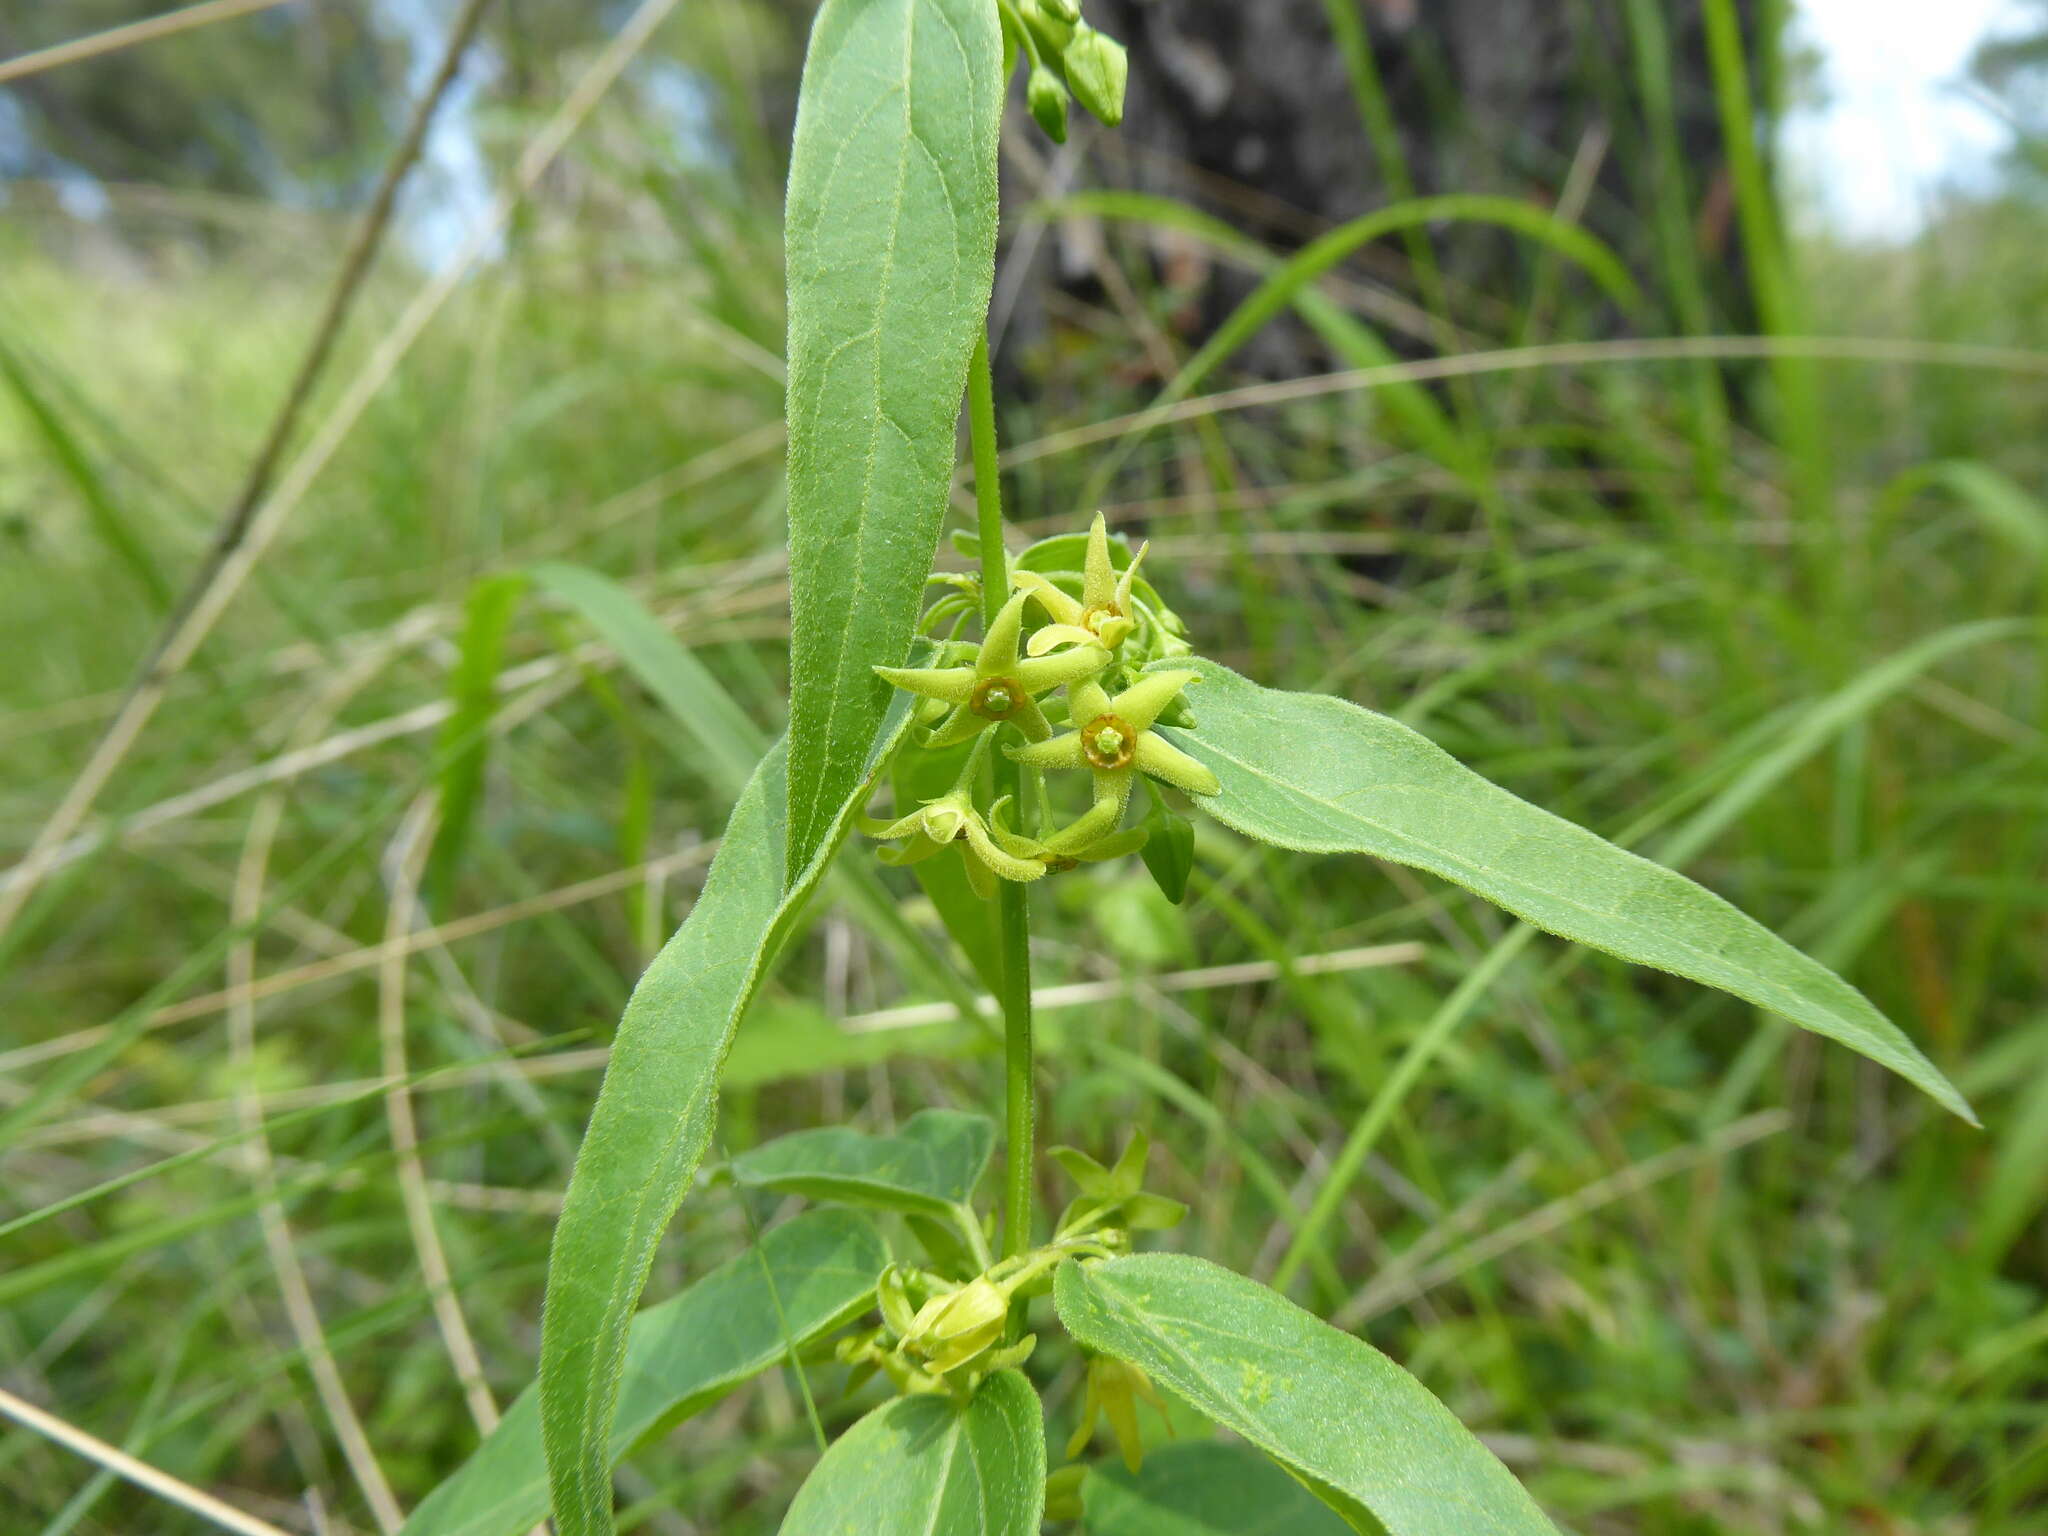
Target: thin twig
[
  {"x": 372, "y": 955},
  {"x": 225, "y": 581},
  {"x": 568, "y": 1063},
  {"x": 407, "y": 857},
  {"x": 193, "y": 1500},
  {"x": 1404, "y": 1279},
  {"x": 356, "y": 262},
  {"x": 116, "y": 38},
  {"x": 302, "y": 1312},
  {"x": 1931, "y": 354}
]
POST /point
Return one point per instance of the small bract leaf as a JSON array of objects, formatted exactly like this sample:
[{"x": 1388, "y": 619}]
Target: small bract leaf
[
  {"x": 1366, "y": 1436},
  {"x": 930, "y": 1465},
  {"x": 1317, "y": 774},
  {"x": 1089, "y": 1176},
  {"x": 1169, "y": 853},
  {"x": 927, "y": 1168},
  {"x": 681, "y": 1356}
]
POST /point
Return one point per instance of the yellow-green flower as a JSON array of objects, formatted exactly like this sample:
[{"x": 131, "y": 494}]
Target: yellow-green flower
[
  {"x": 952, "y": 820},
  {"x": 1115, "y": 1389},
  {"x": 1113, "y": 738},
  {"x": 1104, "y": 615},
  {"x": 1000, "y": 686}
]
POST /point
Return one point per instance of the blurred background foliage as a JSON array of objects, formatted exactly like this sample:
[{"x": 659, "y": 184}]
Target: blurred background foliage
[{"x": 1686, "y": 1273}]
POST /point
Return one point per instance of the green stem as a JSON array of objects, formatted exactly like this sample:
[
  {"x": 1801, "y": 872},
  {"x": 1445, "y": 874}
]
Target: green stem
[{"x": 1013, "y": 920}]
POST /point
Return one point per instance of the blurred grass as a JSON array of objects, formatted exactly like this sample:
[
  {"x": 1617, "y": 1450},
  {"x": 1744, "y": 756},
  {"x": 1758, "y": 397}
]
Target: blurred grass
[{"x": 1691, "y": 1273}]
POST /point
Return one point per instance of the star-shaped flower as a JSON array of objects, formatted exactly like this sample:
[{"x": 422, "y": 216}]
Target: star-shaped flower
[
  {"x": 1113, "y": 738},
  {"x": 949, "y": 820},
  {"x": 1103, "y": 616},
  {"x": 999, "y": 686}
]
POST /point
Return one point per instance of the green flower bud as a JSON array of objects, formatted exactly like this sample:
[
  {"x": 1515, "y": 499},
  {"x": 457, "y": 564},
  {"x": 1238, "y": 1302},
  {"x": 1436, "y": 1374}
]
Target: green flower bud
[
  {"x": 1047, "y": 99},
  {"x": 1063, "y": 1493},
  {"x": 1049, "y": 27},
  {"x": 952, "y": 1329},
  {"x": 1097, "y": 70}
]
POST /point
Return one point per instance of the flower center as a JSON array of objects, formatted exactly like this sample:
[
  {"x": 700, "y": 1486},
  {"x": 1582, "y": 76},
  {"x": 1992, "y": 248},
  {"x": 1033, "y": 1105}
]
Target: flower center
[
  {"x": 995, "y": 698},
  {"x": 1108, "y": 743},
  {"x": 1092, "y": 619},
  {"x": 945, "y": 824}
]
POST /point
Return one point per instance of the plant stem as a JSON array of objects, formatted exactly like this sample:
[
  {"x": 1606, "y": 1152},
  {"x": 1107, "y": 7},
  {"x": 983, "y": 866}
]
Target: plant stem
[{"x": 1013, "y": 919}]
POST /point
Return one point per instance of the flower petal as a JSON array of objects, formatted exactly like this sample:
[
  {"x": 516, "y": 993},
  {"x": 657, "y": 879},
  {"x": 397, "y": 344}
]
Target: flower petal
[
  {"x": 1098, "y": 581},
  {"x": 983, "y": 847},
  {"x": 1030, "y": 719},
  {"x": 962, "y": 725},
  {"x": 1142, "y": 702},
  {"x": 1155, "y": 757},
  {"x": 953, "y": 684},
  {"x": 1070, "y": 666},
  {"x": 1114, "y": 846},
  {"x": 1059, "y": 634},
  {"x": 1123, "y": 586},
  {"x": 998, "y": 654},
  {"x": 916, "y": 851},
  {"x": 1061, "y": 608},
  {"x": 1059, "y": 752},
  {"x": 1086, "y": 700}
]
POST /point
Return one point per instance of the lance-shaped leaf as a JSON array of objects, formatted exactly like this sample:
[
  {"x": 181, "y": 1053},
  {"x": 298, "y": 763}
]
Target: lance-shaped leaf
[
  {"x": 807, "y": 1277},
  {"x": 1203, "y": 1488},
  {"x": 1366, "y": 1436},
  {"x": 929, "y": 1465},
  {"x": 891, "y": 241},
  {"x": 653, "y": 1119},
  {"x": 926, "y": 1169},
  {"x": 1317, "y": 774}
]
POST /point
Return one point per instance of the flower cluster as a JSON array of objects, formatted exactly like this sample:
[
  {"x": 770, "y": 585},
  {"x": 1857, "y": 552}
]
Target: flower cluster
[
  {"x": 941, "y": 1333},
  {"x": 1096, "y": 628},
  {"x": 1064, "y": 54}
]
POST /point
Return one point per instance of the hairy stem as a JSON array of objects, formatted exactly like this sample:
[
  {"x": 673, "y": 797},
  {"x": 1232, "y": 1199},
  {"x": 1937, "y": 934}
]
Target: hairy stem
[{"x": 1013, "y": 920}]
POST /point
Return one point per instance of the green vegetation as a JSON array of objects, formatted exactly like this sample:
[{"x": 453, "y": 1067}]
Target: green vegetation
[{"x": 1682, "y": 1268}]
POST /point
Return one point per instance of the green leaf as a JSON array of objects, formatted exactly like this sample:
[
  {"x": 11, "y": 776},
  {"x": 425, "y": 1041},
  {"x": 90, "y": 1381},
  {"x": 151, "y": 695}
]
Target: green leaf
[
  {"x": 1203, "y": 1488},
  {"x": 928, "y": 1168},
  {"x": 112, "y": 521},
  {"x": 465, "y": 736},
  {"x": 729, "y": 741},
  {"x": 653, "y": 1119},
  {"x": 1366, "y": 1436},
  {"x": 1317, "y": 774},
  {"x": 1169, "y": 851},
  {"x": 808, "y": 1276},
  {"x": 891, "y": 236},
  {"x": 930, "y": 1465}
]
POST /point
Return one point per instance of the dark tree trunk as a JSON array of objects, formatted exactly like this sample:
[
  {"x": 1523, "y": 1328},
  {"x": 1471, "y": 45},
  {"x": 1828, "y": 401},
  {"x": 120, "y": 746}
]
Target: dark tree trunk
[{"x": 1246, "y": 108}]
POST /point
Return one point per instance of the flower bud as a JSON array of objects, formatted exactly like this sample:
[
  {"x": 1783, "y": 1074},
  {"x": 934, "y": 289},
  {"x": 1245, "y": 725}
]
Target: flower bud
[
  {"x": 1063, "y": 1494},
  {"x": 1097, "y": 70},
  {"x": 1050, "y": 24},
  {"x": 952, "y": 1329},
  {"x": 1047, "y": 99}
]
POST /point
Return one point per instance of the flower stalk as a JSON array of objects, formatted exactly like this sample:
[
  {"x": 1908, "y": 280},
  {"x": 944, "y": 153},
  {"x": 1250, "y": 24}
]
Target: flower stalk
[{"x": 1013, "y": 920}]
